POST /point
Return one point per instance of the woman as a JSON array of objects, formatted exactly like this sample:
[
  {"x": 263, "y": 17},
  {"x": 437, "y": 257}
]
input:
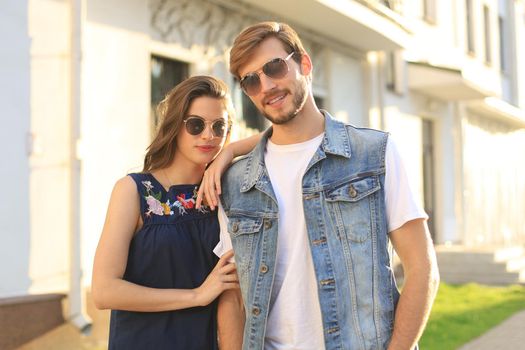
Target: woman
[{"x": 154, "y": 265}]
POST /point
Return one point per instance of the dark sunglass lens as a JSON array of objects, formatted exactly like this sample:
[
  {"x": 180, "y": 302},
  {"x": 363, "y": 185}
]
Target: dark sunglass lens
[
  {"x": 251, "y": 84},
  {"x": 276, "y": 68},
  {"x": 194, "y": 126},
  {"x": 219, "y": 128}
]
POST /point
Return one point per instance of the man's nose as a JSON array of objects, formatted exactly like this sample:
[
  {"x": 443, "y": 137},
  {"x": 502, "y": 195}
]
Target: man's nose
[{"x": 266, "y": 83}]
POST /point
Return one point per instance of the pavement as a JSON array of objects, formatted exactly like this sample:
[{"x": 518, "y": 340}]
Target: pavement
[
  {"x": 67, "y": 337},
  {"x": 510, "y": 334}
]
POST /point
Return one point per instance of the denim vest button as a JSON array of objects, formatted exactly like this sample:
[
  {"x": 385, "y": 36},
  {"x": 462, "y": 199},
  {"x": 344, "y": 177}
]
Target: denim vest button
[
  {"x": 256, "y": 311},
  {"x": 267, "y": 224},
  {"x": 263, "y": 268},
  {"x": 352, "y": 191},
  {"x": 235, "y": 227}
]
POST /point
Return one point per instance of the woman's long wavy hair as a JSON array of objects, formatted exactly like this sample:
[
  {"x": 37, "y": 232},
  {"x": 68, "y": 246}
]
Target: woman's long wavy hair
[{"x": 173, "y": 109}]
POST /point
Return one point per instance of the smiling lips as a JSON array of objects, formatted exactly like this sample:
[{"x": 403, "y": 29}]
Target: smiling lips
[{"x": 275, "y": 99}]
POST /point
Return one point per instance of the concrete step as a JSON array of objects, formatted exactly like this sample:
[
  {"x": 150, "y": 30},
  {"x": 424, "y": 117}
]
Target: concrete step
[
  {"x": 481, "y": 265},
  {"x": 464, "y": 267},
  {"x": 460, "y": 254},
  {"x": 482, "y": 279}
]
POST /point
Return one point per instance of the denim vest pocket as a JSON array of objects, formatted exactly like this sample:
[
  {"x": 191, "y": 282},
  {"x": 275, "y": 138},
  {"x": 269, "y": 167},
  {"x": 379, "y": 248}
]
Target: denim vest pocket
[
  {"x": 352, "y": 206},
  {"x": 242, "y": 231}
]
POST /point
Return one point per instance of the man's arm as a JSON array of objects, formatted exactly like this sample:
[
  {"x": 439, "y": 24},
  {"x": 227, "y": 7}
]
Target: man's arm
[
  {"x": 413, "y": 245},
  {"x": 230, "y": 320}
]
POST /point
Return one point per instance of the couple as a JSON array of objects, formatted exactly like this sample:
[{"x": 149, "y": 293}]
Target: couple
[{"x": 309, "y": 213}]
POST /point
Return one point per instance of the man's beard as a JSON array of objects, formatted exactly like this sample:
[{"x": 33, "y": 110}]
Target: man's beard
[{"x": 299, "y": 99}]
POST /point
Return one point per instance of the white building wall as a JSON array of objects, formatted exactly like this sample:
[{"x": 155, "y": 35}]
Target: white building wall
[
  {"x": 519, "y": 28},
  {"x": 494, "y": 190},
  {"x": 404, "y": 115},
  {"x": 437, "y": 42},
  {"x": 458, "y": 163},
  {"x": 49, "y": 28},
  {"x": 406, "y": 131},
  {"x": 115, "y": 110},
  {"x": 449, "y": 202},
  {"x": 346, "y": 96},
  {"x": 14, "y": 133}
]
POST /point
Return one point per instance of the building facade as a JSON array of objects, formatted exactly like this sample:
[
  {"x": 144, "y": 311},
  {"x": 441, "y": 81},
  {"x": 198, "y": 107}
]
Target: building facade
[{"x": 445, "y": 78}]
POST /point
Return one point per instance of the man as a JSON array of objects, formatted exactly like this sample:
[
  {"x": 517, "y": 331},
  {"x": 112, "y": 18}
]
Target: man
[{"x": 310, "y": 212}]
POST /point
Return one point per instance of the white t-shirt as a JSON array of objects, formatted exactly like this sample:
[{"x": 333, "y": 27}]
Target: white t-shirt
[{"x": 294, "y": 319}]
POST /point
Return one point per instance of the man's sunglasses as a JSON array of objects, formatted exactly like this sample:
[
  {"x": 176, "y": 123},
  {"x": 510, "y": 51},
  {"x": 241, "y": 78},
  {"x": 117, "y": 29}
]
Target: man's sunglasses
[
  {"x": 195, "y": 126},
  {"x": 274, "y": 69}
]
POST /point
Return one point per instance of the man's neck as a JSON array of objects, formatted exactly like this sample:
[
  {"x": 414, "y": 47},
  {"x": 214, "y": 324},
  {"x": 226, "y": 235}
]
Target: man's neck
[{"x": 306, "y": 125}]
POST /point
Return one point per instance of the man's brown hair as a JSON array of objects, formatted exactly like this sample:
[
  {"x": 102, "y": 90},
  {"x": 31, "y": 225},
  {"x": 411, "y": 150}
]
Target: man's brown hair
[{"x": 252, "y": 36}]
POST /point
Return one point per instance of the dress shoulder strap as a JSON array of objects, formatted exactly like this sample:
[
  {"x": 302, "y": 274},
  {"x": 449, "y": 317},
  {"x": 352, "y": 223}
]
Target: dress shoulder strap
[{"x": 143, "y": 182}]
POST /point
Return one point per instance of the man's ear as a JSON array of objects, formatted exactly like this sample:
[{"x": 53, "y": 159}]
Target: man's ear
[{"x": 306, "y": 64}]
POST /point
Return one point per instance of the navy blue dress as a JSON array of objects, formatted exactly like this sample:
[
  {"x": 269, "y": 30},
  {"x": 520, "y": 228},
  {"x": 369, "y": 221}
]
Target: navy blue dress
[{"x": 174, "y": 249}]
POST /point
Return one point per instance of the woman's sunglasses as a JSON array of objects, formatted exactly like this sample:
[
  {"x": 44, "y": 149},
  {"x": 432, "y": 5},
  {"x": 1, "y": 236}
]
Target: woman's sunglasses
[
  {"x": 274, "y": 69},
  {"x": 195, "y": 126}
]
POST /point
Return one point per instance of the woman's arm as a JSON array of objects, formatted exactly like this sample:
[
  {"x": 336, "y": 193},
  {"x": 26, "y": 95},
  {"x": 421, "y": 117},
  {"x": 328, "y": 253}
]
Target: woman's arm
[
  {"x": 210, "y": 187},
  {"x": 109, "y": 289}
]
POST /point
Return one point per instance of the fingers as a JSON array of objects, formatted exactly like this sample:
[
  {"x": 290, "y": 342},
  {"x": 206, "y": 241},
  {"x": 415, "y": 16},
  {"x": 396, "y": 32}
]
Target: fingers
[
  {"x": 217, "y": 179},
  {"x": 229, "y": 281},
  {"x": 231, "y": 285},
  {"x": 209, "y": 189},
  {"x": 210, "y": 192},
  {"x": 228, "y": 268},
  {"x": 214, "y": 187},
  {"x": 200, "y": 195},
  {"x": 232, "y": 277},
  {"x": 225, "y": 257}
]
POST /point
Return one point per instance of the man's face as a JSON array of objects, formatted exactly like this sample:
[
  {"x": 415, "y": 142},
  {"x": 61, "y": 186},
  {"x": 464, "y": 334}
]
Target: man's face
[{"x": 279, "y": 100}]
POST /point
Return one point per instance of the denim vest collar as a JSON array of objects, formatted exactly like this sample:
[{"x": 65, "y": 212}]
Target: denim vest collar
[{"x": 335, "y": 142}]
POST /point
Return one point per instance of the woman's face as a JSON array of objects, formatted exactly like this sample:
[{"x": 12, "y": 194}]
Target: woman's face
[{"x": 202, "y": 148}]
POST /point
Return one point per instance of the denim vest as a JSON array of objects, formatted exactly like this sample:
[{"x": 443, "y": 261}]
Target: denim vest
[{"x": 344, "y": 208}]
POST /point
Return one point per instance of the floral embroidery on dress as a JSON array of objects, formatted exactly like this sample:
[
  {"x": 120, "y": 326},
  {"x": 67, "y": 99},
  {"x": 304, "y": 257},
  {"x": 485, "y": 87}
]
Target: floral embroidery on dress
[{"x": 184, "y": 201}]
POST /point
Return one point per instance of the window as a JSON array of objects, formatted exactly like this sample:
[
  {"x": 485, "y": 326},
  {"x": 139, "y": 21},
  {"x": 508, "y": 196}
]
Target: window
[
  {"x": 394, "y": 5},
  {"x": 486, "y": 22},
  {"x": 502, "y": 44},
  {"x": 429, "y": 11},
  {"x": 428, "y": 174},
  {"x": 471, "y": 49},
  {"x": 390, "y": 71},
  {"x": 394, "y": 72},
  {"x": 165, "y": 74}
]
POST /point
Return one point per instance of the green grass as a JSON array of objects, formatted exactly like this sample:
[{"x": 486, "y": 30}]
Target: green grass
[{"x": 463, "y": 312}]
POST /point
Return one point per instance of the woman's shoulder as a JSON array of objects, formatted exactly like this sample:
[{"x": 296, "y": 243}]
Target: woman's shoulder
[
  {"x": 138, "y": 180},
  {"x": 125, "y": 186},
  {"x": 124, "y": 197}
]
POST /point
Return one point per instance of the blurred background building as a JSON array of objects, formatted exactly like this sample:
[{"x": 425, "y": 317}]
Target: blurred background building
[{"x": 80, "y": 80}]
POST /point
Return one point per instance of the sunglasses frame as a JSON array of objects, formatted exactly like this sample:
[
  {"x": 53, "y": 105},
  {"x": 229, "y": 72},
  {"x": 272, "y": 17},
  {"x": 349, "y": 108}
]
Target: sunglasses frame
[
  {"x": 262, "y": 70},
  {"x": 227, "y": 125}
]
